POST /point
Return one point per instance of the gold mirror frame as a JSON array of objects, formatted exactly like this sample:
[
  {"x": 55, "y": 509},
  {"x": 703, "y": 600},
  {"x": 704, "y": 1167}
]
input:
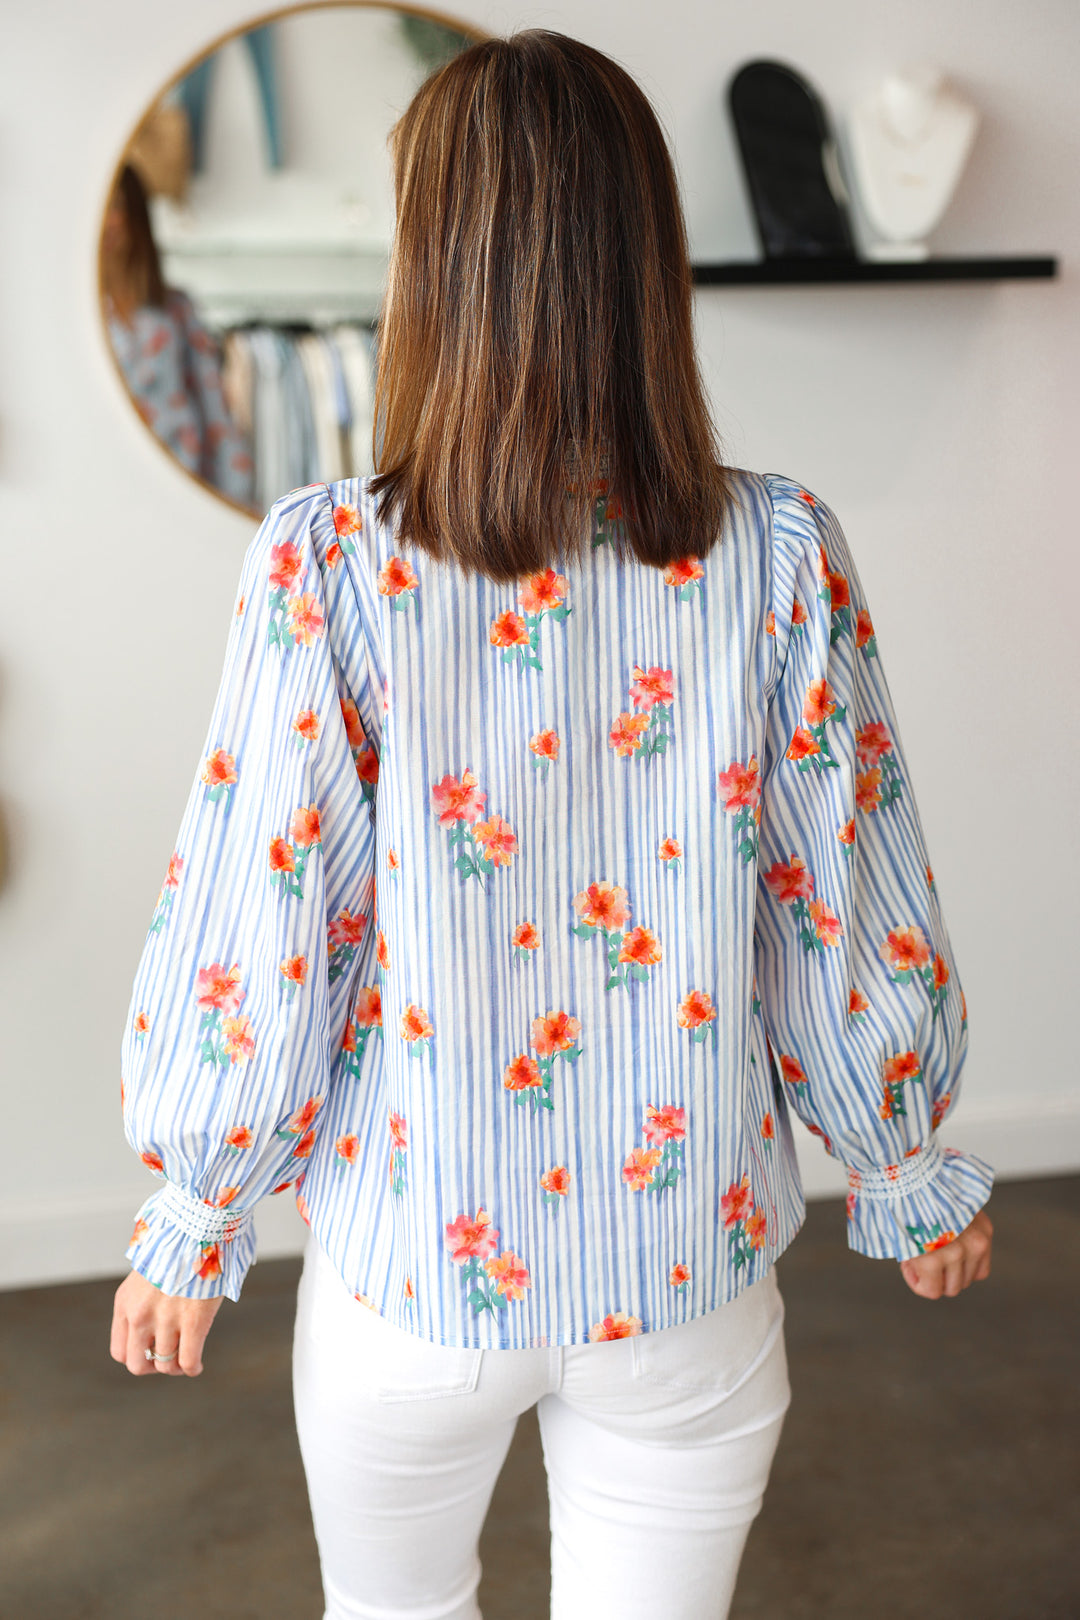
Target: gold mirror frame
[{"x": 445, "y": 19}]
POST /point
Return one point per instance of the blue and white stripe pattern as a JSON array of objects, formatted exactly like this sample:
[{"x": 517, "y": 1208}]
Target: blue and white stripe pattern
[{"x": 730, "y": 916}]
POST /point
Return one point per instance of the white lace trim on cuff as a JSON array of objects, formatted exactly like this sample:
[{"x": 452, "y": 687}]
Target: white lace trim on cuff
[
  {"x": 201, "y": 1221},
  {"x": 890, "y": 1181}
]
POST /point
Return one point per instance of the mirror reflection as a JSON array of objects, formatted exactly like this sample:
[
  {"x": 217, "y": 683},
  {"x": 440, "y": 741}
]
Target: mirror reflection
[{"x": 245, "y": 242}]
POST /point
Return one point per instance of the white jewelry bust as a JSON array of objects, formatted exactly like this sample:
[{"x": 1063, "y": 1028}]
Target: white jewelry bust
[{"x": 908, "y": 144}]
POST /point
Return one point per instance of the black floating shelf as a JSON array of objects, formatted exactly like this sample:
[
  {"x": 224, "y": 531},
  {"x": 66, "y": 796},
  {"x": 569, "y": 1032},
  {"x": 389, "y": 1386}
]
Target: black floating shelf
[{"x": 803, "y": 272}]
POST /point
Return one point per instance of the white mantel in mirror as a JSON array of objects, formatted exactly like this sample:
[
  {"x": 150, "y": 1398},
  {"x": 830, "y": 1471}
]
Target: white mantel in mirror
[{"x": 268, "y": 207}]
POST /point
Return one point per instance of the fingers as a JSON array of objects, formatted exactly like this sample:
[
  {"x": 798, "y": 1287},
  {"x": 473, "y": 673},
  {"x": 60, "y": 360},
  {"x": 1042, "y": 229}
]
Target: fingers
[
  {"x": 947, "y": 1271},
  {"x": 192, "y": 1338}
]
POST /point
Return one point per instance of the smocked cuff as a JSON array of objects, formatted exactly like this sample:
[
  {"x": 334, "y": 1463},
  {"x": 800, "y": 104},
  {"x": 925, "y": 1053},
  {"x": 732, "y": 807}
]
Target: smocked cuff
[
  {"x": 897, "y": 1211},
  {"x": 190, "y": 1249}
]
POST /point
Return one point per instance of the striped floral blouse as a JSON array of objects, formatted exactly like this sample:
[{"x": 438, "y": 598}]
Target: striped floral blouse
[{"x": 507, "y": 927}]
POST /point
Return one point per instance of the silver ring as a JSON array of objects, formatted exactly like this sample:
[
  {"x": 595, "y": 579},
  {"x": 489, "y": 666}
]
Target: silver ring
[{"x": 152, "y": 1355}]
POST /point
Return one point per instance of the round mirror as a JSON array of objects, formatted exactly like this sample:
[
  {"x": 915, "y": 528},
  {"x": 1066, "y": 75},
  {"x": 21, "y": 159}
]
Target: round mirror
[{"x": 245, "y": 241}]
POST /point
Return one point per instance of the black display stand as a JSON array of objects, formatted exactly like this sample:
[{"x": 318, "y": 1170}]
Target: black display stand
[{"x": 806, "y": 272}]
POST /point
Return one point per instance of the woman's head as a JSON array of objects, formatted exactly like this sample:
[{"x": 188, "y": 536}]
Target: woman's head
[
  {"x": 537, "y": 341},
  {"x": 130, "y": 268}
]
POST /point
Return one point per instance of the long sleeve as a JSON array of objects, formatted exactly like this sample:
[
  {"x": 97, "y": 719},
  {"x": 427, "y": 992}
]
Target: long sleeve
[
  {"x": 237, "y": 1007},
  {"x": 865, "y": 1016}
]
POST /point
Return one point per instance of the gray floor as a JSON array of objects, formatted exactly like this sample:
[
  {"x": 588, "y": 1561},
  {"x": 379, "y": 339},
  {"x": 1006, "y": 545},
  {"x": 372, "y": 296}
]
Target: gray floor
[{"x": 928, "y": 1466}]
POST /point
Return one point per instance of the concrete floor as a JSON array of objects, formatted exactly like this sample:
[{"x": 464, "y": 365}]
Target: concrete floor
[{"x": 928, "y": 1469}]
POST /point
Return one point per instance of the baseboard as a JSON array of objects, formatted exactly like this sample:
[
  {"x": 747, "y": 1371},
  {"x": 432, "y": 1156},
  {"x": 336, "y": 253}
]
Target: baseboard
[{"x": 77, "y": 1239}]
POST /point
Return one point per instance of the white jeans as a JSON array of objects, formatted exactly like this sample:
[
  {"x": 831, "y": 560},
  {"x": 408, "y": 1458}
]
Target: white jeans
[{"x": 657, "y": 1450}]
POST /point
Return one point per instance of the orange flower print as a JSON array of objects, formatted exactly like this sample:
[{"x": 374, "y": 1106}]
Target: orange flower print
[
  {"x": 829, "y": 928},
  {"x": 851, "y": 1204},
  {"x": 669, "y": 853},
  {"x": 864, "y": 634},
  {"x": 333, "y": 555},
  {"x": 286, "y": 567},
  {"x": 685, "y": 575},
  {"x": 868, "y": 791},
  {"x": 302, "y": 1208},
  {"x": 301, "y": 1121},
  {"x": 793, "y": 885},
  {"x": 347, "y": 1148},
  {"x": 471, "y": 1238},
  {"x": 525, "y": 940},
  {"x": 294, "y": 972},
  {"x": 305, "y": 616},
  {"x": 416, "y": 1029},
  {"x": 238, "y": 1039},
  {"x": 930, "y": 884},
  {"x": 354, "y": 729},
  {"x": 509, "y": 1274},
  {"x": 397, "y": 581},
  {"x": 770, "y": 623},
  {"x": 140, "y": 1231},
  {"x": 399, "y": 1146},
  {"x": 940, "y": 1109},
  {"x": 542, "y": 592},
  {"x": 554, "y": 1032},
  {"x": 208, "y": 1264},
  {"x": 768, "y": 1128},
  {"x": 492, "y": 1282},
  {"x": 740, "y": 793},
  {"x": 346, "y": 522},
  {"x": 167, "y": 893},
  {"x": 619, "y": 1325},
  {"x": 627, "y": 734},
  {"x": 140, "y": 1024},
  {"x": 802, "y": 746},
  {"x": 697, "y": 1013},
  {"x": 238, "y": 1138},
  {"x": 366, "y": 761},
  {"x": 653, "y": 691},
  {"x": 639, "y": 1167},
  {"x": 545, "y": 746},
  {"x": 522, "y": 1075},
  {"x": 640, "y": 947},
  {"x": 556, "y": 1184},
  {"x": 929, "y": 1238},
  {"x": 746, "y": 1227},
  {"x": 306, "y": 726},
  {"x": 846, "y": 834},
  {"x": 218, "y": 994},
  {"x": 153, "y": 1161},
  {"x": 365, "y": 1022},
  {"x": 223, "y": 1199},
  {"x": 679, "y": 1277},
  {"x": 820, "y": 709},
  {"x": 240, "y": 608},
  {"x": 305, "y": 827},
  {"x": 458, "y": 801},
  {"x": 498, "y": 841},
  {"x": 604, "y": 906},
  {"x": 838, "y": 591},
  {"x": 798, "y": 616},
  {"x": 303, "y": 1148},
  {"x": 793, "y": 1072},
  {"x": 804, "y": 495},
  {"x": 877, "y": 756},
  {"x": 410, "y": 1291},
  {"x": 858, "y": 1006},
  {"x": 510, "y": 633},
  {"x": 907, "y": 952},
  {"x": 663, "y": 1125},
  {"x": 963, "y": 1010},
  {"x": 553, "y": 1035},
  {"x": 343, "y": 936},
  {"x": 219, "y": 775},
  {"x": 281, "y": 856},
  {"x": 382, "y": 952},
  {"x": 896, "y": 1073}
]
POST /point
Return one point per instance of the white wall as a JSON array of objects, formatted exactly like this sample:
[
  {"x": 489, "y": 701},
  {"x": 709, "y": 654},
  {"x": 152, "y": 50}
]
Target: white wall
[{"x": 938, "y": 421}]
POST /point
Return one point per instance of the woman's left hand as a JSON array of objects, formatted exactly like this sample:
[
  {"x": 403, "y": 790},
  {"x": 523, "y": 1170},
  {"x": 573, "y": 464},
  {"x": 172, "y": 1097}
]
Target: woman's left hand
[
  {"x": 953, "y": 1267},
  {"x": 146, "y": 1319}
]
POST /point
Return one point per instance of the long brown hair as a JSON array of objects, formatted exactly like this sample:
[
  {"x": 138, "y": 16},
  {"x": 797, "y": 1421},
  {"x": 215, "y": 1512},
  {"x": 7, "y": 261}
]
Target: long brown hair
[
  {"x": 537, "y": 342},
  {"x": 130, "y": 268}
]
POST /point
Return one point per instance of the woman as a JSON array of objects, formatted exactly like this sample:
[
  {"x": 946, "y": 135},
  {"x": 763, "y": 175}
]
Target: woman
[
  {"x": 168, "y": 359},
  {"x": 552, "y": 843}
]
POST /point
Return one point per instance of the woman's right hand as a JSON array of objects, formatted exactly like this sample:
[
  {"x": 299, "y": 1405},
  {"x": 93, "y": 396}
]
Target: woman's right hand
[
  {"x": 146, "y": 1319},
  {"x": 953, "y": 1267}
]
